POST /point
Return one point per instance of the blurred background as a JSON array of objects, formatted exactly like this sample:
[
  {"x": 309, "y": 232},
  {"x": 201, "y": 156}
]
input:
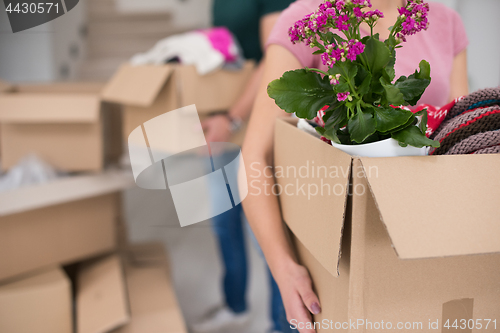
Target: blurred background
[{"x": 89, "y": 44}]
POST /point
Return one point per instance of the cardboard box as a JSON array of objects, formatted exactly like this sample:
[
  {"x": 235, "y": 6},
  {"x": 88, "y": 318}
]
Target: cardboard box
[
  {"x": 39, "y": 303},
  {"x": 153, "y": 302},
  {"x": 59, "y": 222},
  {"x": 411, "y": 240},
  {"x": 64, "y": 123},
  {"x": 5, "y": 86},
  {"x": 101, "y": 298},
  {"x": 149, "y": 91}
]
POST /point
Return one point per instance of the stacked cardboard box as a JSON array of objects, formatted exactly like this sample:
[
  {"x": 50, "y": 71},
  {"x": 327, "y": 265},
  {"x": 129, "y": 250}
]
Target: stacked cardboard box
[
  {"x": 112, "y": 293},
  {"x": 408, "y": 243},
  {"x": 52, "y": 120},
  {"x": 59, "y": 222},
  {"x": 150, "y": 91}
]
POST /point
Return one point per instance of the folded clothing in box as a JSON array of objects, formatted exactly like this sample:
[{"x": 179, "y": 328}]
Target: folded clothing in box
[{"x": 471, "y": 126}]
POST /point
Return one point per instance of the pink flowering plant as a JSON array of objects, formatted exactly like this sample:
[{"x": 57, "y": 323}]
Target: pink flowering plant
[{"x": 365, "y": 101}]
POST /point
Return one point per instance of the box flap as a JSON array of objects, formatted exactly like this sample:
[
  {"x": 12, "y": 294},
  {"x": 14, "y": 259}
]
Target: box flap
[
  {"x": 216, "y": 91},
  {"x": 37, "y": 280},
  {"x": 153, "y": 303},
  {"x": 101, "y": 300},
  {"x": 5, "y": 86},
  {"x": 73, "y": 87},
  {"x": 435, "y": 206},
  {"x": 64, "y": 190},
  {"x": 53, "y": 108},
  {"x": 136, "y": 85},
  {"x": 313, "y": 186}
]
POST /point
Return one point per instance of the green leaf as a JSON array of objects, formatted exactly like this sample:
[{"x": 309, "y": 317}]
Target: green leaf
[
  {"x": 339, "y": 39},
  {"x": 301, "y": 92},
  {"x": 350, "y": 70},
  {"x": 413, "y": 136},
  {"x": 330, "y": 37},
  {"x": 377, "y": 55},
  {"x": 318, "y": 52},
  {"x": 389, "y": 119},
  {"x": 337, "y": 118},
  {"x": 392, "y": 94},
  {"x": 364, "y": 87},
  {"x": 361, "y": 126},
  {"x": 425, "y": 70},
  {"x": 423, "y": 121},
  {"x": 389, "y": 72},
  {"x": 331, "y": 134},
  {"x": 412, "y": 88}
]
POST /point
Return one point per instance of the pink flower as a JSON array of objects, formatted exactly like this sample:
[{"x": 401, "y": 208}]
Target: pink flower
[
  {"x": 343, "y": 96},
  {"x": 355, "y": 48},
  {"x": 342, "y": 22}
]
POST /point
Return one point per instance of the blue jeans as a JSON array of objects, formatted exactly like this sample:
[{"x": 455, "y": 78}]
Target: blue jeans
[
  {"x": 229, "y": 228},
  {"x": 229, "y": 231}
]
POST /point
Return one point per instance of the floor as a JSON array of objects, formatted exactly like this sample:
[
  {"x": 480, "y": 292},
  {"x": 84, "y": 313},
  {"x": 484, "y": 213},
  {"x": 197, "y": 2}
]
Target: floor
[{"x": 196, "y": 267}]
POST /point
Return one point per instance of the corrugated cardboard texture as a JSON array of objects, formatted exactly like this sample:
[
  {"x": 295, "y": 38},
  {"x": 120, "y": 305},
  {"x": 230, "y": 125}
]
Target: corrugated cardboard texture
[
  {"x": 39, "y": 303},
  {"x": 50, "y": 108},
  {"x": 137, "y": 85},
  {"x": 56, "y": 234},
  {"x": 152, "y": 298},
  {"x": 333, "y": 292},
  {"x": 382, "y": 285},
  {"x": 385, "y": 287},
  {"x": 436, "y": 206},
  {"x": 101, "y": 300},
  {"x": 317, "y": 220}
]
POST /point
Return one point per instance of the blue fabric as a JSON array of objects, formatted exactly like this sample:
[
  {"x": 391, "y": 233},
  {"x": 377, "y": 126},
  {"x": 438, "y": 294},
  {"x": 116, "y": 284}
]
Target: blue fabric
[
  {"x": 228, "y": 228},
  {"x": 229, "y": 231}
]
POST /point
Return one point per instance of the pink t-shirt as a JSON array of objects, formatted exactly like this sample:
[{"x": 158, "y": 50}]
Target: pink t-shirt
[{"x": 439, "y": 44}]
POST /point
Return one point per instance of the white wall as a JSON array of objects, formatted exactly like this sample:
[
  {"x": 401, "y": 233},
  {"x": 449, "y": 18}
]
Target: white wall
[
  {"x": 49, "y": 52},
  {"x": 483, "y": 27},
  {"x": 186, "y": 13}
]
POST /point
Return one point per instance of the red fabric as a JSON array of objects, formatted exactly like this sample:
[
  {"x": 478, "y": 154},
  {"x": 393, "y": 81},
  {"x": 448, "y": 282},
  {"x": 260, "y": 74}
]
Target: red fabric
[{"x": 436, "y": 115}]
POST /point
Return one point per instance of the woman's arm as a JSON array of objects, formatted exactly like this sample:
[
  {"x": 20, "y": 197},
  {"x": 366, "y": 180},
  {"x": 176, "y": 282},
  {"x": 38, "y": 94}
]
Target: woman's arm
[
  {"x": 263, "y": 210},
  {"x": 218, "y": 127},
  {"x": 458, "y": 81}
]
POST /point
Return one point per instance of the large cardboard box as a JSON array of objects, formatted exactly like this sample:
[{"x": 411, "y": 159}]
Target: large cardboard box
[
  {"x": 149, "y": 91},
  {"x": 59, "y": 222},
  {"x": 66, "y": 124},
  {"x": 405, "y": 243},
  {"x": 39, "y": 303}
]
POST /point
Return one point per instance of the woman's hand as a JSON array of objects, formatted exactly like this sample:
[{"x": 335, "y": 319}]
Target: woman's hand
[
  {"x": 217, "y": 128},
  {"x": 299, "y": 299}
]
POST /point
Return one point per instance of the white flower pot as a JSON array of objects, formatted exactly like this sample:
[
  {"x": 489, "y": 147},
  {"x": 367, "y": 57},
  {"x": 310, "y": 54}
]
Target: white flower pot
[{"x": 385, "y": 148}]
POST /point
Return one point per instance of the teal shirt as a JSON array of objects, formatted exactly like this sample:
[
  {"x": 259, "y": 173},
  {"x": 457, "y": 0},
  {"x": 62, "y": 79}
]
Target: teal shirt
[{"x": 242, "y": 18}]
